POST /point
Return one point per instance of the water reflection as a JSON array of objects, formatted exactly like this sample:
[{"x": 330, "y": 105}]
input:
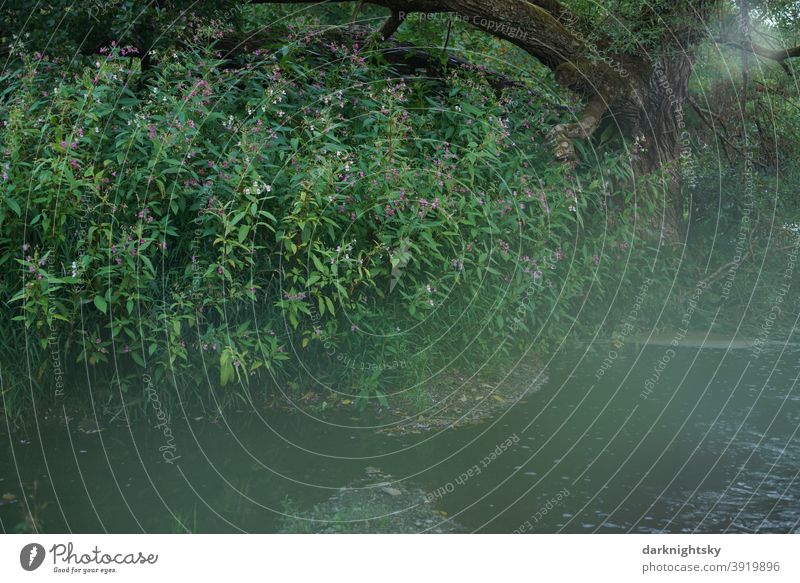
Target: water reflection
[{"x": 711, "y": 448}]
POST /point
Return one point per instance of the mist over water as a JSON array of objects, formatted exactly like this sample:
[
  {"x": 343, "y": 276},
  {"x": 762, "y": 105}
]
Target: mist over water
[{"x": 711, "y": 448}]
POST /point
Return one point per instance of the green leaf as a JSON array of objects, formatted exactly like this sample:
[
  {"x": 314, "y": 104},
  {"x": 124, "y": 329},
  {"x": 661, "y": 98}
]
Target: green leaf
[
  {"x": 12, "y": 204},
  {"x": 318, "y": 264},
  {"x": 137, "y": 358},
  {"x": 101, "y": 304}
]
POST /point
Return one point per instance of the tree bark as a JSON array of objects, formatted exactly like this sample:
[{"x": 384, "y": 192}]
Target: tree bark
[{"x": 665, "y": 139}]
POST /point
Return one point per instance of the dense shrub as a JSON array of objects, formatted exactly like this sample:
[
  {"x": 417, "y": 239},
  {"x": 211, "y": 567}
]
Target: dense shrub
[{"x": 299, "y": 208}]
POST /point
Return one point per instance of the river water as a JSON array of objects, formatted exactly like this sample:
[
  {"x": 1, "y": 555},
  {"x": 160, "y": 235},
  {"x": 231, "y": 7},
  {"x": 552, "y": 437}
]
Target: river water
[{"x": 705, "y": 441}]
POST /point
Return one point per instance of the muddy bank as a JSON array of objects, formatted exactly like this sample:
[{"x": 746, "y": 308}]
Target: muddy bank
[
  {"x": 452, "y": 399},
  {"x": 460, "y": 400}
]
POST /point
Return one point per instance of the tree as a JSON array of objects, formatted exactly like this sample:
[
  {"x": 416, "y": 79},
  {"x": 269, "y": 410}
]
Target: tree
[{"x": 630, "y": 62}]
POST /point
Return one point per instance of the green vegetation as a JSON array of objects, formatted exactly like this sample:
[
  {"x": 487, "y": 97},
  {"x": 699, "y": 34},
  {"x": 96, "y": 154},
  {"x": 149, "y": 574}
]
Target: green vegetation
[{"x": 305, "y": 213}]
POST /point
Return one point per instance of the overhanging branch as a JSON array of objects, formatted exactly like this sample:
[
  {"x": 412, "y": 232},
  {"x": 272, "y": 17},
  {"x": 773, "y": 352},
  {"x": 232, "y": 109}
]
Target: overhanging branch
[
  {"x": 779, "y": 55},
  {"x": 546, "y": 29}
]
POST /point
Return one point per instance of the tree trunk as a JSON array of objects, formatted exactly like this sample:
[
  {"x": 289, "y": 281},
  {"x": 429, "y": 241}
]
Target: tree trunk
[{"x": 660, "y": 129}]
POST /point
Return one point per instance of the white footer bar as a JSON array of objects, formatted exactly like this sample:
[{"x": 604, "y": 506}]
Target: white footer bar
[{"x": 400, "y": 558}]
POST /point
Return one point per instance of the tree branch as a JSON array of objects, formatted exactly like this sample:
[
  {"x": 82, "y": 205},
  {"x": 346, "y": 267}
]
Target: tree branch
[
  {"x": 710, "y": 125},
  {"x": 543, "y": 28},
  {"x": 722, "y": 136},
  {"x": 411, "y": 56},
  {"x": 390, "y": 26},
  {"x": 779, "y": 55},
  {"x": 563, "y": 134},
  {"x": 528, "y": 24}
]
